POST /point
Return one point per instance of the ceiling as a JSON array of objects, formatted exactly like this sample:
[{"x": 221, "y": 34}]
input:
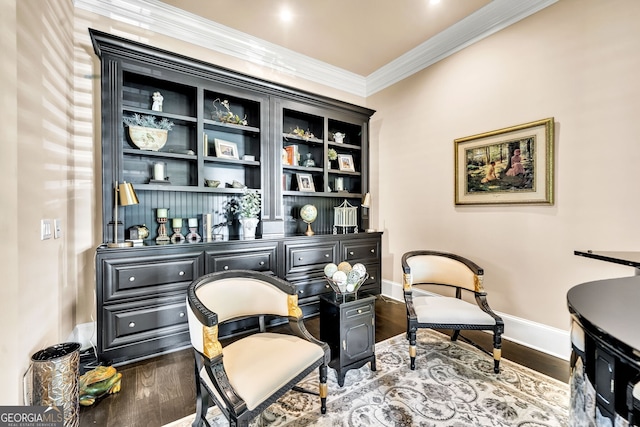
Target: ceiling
[
  {"x": 359, "y": 36},
  {"x": 356, "y": 46}
]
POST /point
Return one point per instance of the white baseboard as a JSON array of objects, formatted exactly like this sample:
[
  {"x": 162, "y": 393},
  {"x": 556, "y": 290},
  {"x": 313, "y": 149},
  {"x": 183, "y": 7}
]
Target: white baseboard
[
  {"x": 85, "y": 334},
  {"x": 553, "y": 341}
]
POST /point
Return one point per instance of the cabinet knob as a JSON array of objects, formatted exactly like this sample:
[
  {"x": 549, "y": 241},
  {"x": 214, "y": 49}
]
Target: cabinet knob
[
  {"x": 326, "y": 286},
  {"x": 359, "y": 311},
  {"x": 300, "y": 259},
  {"x": 301, "y": 291},
  {"x": 261, "y": 262},
  {"x": 181, "y": 273},
  {"x": 132, "y": 278},
  {"x": 226, "y": 267},
  {"x": 181, "y": 314},
  {"x": 326, "y": 255},
  {"x": 373, "y": 251},
  {"x": 350, "y": 252},
  {"x": 344, "y": 345},
  {"x": 132, "y": 324}
]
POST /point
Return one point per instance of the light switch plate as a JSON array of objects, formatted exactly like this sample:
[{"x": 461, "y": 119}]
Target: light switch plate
[{"x": 45, "y": 229}]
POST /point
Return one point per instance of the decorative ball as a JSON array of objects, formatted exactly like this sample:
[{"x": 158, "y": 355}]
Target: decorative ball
[
  {"x": 353, "y": 277},
  {"x": 344, "y": 266},
  {"x": 360, "y": 268},
  {"x": 340, "y": 277},
  {"x": 329, "y": 269},
  {"x": 350, "y": 287},
  {"x": 308, "y": 213}
]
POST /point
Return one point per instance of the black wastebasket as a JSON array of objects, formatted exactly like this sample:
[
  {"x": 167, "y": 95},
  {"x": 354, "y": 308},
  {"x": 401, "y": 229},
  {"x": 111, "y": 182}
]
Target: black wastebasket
[{"x": 55, "y": 379}]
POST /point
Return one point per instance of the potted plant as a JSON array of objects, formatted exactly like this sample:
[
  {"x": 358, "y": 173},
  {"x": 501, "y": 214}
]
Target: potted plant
[
  {"x": 332, "y": 155},
  {"x": 146, "y": 132},
  {"x": 250, "y": 206}
]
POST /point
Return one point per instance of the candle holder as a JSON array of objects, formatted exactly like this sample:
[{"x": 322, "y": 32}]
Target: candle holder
[
  {"x": 193, "y": 236},
  {"x": 177, "y": 236},
  {"x": 162, "y": 238}
]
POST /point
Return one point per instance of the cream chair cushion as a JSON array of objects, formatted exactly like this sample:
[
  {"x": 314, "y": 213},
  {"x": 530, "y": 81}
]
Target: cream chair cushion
[
  {"x": 449, "y": 310},
  {"x": 253, "y": 364}
]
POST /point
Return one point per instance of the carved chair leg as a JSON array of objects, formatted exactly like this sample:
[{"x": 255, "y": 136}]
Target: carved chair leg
[
  {"x": 323, "y": 389},
  {"x": 202, "y": 399},
  {"x": 497, "y": 351},
  {"x": 412, "y": 348}
]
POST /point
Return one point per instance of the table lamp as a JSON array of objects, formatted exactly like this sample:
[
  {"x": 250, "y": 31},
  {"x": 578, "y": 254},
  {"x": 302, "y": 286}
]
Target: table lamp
[{"x": 127, "y": 197}]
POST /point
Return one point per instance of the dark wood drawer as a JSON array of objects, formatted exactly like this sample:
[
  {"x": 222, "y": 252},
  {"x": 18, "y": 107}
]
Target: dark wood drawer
[
  {"x": 365, "y": 309},
  {"x": 141, "y": 277},
  {"x": 263, "y": 259},
  {"x": 308, "y": 257},
  {"x": 132, "y": 328},
  {"x": 361, "y": 251},
  {"x": 311, "y": 287}
]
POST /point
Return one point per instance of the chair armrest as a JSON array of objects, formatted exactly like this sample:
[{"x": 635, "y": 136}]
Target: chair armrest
[
  {"x": 300, "y": 330},
  {"x": 481, "y": 300},
  {"x": 220, "y": 380}
]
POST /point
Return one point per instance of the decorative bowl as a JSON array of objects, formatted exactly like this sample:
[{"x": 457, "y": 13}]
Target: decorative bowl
[
  {"x": 150, "y": 139},
  {"x": 342, "y": 290},
  {"x": 213, "y": 183}
]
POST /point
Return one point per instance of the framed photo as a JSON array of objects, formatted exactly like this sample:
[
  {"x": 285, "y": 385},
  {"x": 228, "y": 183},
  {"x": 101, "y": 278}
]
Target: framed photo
[
  {"x": 305, "y": 182},
  {"x": 506, "y": 166},
  {"x": 226, "y": 149},
  {"x": 345, "y": 162}
]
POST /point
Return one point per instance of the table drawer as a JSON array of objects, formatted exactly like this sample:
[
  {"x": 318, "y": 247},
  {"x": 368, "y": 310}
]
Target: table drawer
[
  {"x": 132, "y": 323},
  {"x": 312, "y": 287},
  {"x": 306, "y": 257},
  {"x": 259, "y": 261},
  {"x": 126, "y": 278},
  {"x": 359, "y": 251}
]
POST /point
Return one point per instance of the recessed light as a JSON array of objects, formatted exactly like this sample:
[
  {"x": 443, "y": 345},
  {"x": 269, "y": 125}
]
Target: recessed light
[{"x": 286, "y": 15}]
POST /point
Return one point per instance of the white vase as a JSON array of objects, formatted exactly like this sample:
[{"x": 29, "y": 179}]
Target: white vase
[{"x": 249, "y": 227}]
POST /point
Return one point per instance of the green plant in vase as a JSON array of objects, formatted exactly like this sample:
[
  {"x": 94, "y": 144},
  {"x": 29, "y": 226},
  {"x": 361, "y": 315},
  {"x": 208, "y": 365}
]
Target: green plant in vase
[
  {"x": 250, "y": 205},
  {"x": 332, "y": 155}
]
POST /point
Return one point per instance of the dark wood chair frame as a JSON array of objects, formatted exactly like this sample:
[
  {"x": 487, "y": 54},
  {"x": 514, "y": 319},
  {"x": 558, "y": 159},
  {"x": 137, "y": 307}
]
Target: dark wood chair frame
[
  {"x": 233, "y": 407},
  {"x": 480, "y": 297}
]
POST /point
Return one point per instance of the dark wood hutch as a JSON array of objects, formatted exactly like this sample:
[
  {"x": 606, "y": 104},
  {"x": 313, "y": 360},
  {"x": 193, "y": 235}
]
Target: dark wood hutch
[{"x": 141, "y": 290}]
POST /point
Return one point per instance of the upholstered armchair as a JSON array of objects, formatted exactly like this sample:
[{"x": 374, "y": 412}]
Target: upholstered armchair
[
  {"x": 431, "y": 270},
  {"x": 247, "y": 375}
]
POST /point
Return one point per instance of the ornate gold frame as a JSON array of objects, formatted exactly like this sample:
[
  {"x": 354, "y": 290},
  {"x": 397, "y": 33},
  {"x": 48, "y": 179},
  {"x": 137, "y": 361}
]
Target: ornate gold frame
[{"x": 538, "y": 180}]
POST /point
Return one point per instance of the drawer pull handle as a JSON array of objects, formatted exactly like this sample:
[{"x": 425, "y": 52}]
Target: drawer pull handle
[
  {"x": 181, "y": 273},
  {"x": 350, "y": 252},
  {"x": 373, "y": 251},
  {"x": 326, "y": 255},
  {"x": 300, "y": 259},
  {"x": 181, "y": 314},
  {"x": 226, "y": 267},
  {"x": 132, "y": 278},
  {"x": 359, "y": 311},
  {"x": 301, "y": 291},
  {"x": 132, "y": 324},
  {"x": 344, "y": 345},
  {"x": 326, "y": 286},
  {"x": 261, "y": 262}
]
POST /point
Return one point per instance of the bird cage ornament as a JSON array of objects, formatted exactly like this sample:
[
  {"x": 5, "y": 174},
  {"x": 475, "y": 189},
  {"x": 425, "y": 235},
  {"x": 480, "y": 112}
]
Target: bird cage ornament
[{"x": 345, "y": 216}]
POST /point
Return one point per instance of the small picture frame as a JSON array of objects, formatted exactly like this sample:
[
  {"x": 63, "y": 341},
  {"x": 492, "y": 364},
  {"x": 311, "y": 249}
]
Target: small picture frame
[
  {"x": 305, "y": 182},
  {"x": 345, "y": 162},
  {"x": 226, "y": 149}
]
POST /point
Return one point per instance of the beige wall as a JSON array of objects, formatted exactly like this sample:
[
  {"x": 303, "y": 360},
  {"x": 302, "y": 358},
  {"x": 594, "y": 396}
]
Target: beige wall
[{"x": 577, "y": 61}]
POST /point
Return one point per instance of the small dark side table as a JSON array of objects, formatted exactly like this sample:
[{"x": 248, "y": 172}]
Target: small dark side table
[{"x": 348, "y": 326}]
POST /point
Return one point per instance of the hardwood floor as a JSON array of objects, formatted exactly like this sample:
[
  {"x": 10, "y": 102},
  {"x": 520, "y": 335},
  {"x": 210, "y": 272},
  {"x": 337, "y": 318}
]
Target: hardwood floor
[{"x": 161, "y": 390}]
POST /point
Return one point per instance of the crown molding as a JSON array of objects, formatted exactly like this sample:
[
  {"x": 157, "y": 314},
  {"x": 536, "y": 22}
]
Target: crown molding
[
  {"x": 153, "y": 15},
  {"x": 486, "y": 21}
]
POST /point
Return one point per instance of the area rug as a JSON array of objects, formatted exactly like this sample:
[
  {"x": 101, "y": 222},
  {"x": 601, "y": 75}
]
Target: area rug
[{"x": 453, "y": 386}]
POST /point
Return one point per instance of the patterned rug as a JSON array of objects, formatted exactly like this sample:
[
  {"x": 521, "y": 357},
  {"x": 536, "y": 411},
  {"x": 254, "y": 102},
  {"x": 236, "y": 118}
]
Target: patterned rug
[{"x": 453, "y": 386}]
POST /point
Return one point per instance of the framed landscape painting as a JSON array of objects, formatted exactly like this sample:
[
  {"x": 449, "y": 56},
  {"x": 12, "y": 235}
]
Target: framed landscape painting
[{"x": 506, "y": 166}]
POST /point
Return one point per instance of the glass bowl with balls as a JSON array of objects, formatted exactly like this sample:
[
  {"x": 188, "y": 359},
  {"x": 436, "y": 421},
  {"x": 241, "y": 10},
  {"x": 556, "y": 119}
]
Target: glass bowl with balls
[{"x": 344, "y": 278}]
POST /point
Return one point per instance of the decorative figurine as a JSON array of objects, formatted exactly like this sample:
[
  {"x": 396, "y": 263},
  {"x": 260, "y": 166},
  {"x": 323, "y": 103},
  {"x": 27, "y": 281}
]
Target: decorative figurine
[{"x": 157, "y": 101}]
